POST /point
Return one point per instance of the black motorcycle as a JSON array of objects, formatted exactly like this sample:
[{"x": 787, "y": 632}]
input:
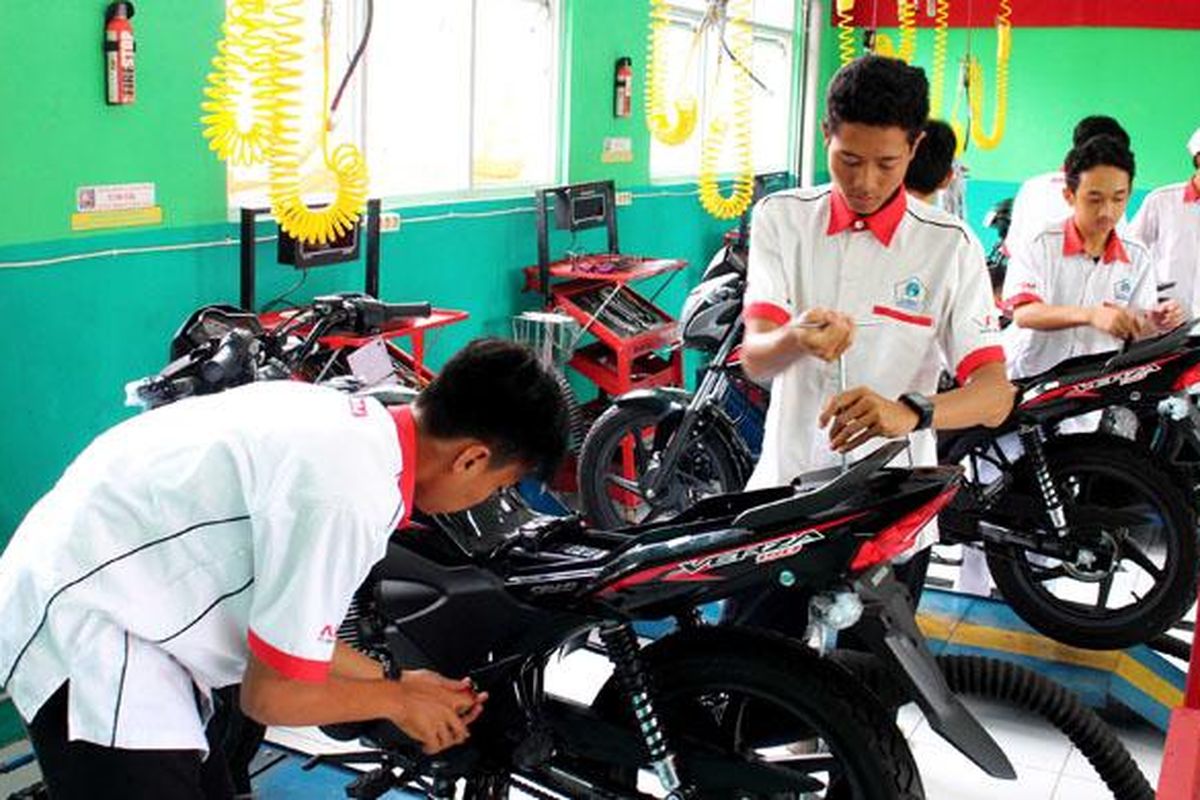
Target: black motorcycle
[
  {"x": 705, "y": 712},
  {"x": 1090, "y": 537},
  {"x": 220, "y": 346},
  {"x": 655, "y": 452}
]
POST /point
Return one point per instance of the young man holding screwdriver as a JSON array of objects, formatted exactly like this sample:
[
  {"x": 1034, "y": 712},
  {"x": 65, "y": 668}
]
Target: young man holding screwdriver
[{"x": 857, "y": 251}]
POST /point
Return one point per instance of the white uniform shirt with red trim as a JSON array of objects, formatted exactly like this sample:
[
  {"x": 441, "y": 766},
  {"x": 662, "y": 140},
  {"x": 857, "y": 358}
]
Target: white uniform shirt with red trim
[
  {"x": 184, "y": 539},
  {"x": 1054, "y": 269},
  {"x": 910, "y": 268},
  {"x": 1168, "y": 223},
  {"x": 1038, "y": 205}
]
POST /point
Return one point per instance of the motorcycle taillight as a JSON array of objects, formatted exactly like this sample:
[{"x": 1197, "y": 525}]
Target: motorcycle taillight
[
  {"x": 1189, "y": 377},
  {"x": 898, "y": 537}
]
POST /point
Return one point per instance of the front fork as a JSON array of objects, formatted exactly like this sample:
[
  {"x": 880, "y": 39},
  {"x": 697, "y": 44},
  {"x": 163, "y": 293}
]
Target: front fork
[{"x": 711, "y": 387}]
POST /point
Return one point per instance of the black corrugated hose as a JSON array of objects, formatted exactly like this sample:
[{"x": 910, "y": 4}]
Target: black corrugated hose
[{"x": 1021, "y": 687}]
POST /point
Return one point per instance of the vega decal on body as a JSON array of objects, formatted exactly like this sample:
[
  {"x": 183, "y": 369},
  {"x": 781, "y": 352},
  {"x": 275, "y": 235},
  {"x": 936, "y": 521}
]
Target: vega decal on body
[{"x": 760, "y": 552}]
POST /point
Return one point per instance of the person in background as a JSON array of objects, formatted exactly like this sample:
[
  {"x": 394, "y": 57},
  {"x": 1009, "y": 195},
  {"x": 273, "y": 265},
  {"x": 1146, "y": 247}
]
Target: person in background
[
  {"x": 1079, "y": 287},
  {"x": 1168, "y": 223},
  {"x": 932, "y": 167},
  {"x": 1041, "y": 199}
]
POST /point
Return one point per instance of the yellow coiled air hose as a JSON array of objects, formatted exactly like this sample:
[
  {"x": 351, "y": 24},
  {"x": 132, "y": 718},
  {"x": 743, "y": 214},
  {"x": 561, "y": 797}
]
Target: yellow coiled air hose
[
  {"x": 906, "y": 11},
  {"x": 236, "y": 121},
  {"x": 675, "y": 125},
  {"x": 906, "y": 14},
  {"x": 735, "y": 127},
  {"x": 309, "y": 225},
  {"x": 989, "y": 140},
  {"x": 941, "y": 45},
  {"x": 847, "y": 49},
  {"x": 261, "y": 49}
]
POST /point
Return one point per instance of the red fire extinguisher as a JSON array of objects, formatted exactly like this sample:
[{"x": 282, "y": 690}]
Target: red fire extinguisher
[
  {"x": 623, "y": 88},
  {"x": 119, "y": 47}
]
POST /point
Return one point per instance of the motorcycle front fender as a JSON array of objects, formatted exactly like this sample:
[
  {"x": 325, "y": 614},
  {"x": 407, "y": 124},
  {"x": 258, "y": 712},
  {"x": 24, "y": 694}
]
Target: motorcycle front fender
[{"x": 889, "y": 628}]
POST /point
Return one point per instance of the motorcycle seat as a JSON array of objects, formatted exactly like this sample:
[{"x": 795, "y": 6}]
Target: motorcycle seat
[
  {"x": 843, "y": 487},
  {"x": 1150, "y": 349}
]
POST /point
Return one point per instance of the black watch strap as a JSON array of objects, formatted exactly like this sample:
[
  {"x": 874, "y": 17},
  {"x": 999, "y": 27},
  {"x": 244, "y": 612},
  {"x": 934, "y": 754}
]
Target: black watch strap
[{"x": 922, "y": 406}]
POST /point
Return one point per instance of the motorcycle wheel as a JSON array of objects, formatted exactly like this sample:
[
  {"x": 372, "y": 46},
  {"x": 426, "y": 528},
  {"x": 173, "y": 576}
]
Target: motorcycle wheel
[
  {"x": 622, "y": 444},
  {"x": 810, "y": 716},
  {"x": 1155, "y": 562}
]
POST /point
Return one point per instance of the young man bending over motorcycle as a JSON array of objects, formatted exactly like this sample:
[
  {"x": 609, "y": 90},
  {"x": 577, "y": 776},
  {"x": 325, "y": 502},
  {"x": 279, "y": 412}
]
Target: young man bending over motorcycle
[
  {"x": 826, "y": 260},
  {"x": 219, "y": 540},
  {"x": 1080, "y": 287}
]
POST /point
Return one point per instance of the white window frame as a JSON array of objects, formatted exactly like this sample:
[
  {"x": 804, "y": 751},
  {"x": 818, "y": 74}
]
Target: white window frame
[
  {"x": 356, "y": 107},
  {"x": 687, "y": 18}
]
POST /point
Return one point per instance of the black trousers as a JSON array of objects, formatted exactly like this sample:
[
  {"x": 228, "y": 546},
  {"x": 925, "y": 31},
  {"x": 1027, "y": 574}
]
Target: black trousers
[{"x": 86, "y": 771}]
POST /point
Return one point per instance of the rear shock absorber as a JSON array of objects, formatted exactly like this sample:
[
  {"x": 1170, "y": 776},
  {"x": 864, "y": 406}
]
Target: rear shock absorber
[
  {"x": 1031, "y": 440},
  {"x": 622, "y": 647}
]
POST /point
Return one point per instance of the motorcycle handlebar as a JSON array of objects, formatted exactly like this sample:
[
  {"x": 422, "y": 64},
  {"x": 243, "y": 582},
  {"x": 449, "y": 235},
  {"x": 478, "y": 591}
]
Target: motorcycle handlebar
[{"x": 228, "y": 359}]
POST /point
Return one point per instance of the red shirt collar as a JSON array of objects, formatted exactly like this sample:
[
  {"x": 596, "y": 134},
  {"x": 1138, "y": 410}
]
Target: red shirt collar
[
  {"x": 882, "y": 223},
  {"x": 406, "y": 431},
  {"x": 1190, "y": 193},
  {"x": 1073, "y": 244}
]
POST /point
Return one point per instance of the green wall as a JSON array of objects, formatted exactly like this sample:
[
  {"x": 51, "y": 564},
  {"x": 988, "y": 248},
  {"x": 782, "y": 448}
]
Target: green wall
[
  {"x": 603, "y": 31},
  {"x": 78, "y": 331},
  {"x": 58, "y": 133},
  {"x": 1058, "y": 75}
]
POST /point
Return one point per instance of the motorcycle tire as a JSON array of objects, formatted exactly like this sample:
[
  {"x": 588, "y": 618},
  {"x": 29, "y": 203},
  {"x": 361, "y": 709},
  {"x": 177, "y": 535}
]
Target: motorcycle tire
[
  {"x": 1120, "y": 463},
  {"x": 873, "y": 760},
  {"x": 708, "y": 457}
]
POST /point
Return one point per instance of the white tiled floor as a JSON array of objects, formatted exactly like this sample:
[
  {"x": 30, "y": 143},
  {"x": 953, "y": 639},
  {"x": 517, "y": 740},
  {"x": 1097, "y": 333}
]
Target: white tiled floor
[{"x": 1048, "y": 766}]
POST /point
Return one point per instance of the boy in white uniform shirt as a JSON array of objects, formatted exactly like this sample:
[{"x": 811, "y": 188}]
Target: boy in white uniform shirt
[
  {"x": 861, "y": 249},
  {"x": 218, "y": 541},
  {"x": 1169, "y": 224},
  {"x": 1080, "y": 287},
  {"x": 1040, "y": 200}
]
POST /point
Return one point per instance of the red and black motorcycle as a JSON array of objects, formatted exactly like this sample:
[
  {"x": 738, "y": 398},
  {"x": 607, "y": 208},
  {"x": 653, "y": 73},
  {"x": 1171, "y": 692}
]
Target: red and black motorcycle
[
  {"x": 704, "y": 712},
  {"x": 1091, "y": 537}
]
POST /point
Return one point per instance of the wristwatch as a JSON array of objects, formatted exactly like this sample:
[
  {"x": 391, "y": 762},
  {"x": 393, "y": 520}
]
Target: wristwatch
[{"x": 923, "y": 407}]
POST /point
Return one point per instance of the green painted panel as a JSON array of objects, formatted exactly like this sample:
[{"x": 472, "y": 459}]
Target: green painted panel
[
  {"x": 59, "y": 134},
  {"x": 80, "y": 330},
  {"x": 600, "y": 32},
  {"x": 1061, "y": 74}
]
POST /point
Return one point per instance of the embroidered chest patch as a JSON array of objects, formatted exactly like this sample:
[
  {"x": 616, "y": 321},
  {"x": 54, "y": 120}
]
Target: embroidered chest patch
[{"x": 911, "y": 294}]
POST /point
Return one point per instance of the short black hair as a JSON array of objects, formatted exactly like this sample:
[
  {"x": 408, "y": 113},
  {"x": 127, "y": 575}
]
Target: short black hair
[
  {"x": 934, "y": 158},
  {"x": 879, "y": 91},
  {"x": 1098, "y": 125},
  {"x": 500, "y": 393},
  {"x": 1099, "y": 151}
]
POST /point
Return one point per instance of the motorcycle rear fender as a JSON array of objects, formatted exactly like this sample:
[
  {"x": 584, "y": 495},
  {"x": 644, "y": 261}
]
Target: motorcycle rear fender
[{"x": 889, "y": 628}]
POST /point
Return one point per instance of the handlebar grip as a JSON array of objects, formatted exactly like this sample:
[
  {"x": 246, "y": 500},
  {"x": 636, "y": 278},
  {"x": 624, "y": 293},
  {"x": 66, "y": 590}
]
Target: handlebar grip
[
  {"x": 226, "y": 362},
  {"x": 394, "y": 311},
  {"x": 373, "y": 315}
]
